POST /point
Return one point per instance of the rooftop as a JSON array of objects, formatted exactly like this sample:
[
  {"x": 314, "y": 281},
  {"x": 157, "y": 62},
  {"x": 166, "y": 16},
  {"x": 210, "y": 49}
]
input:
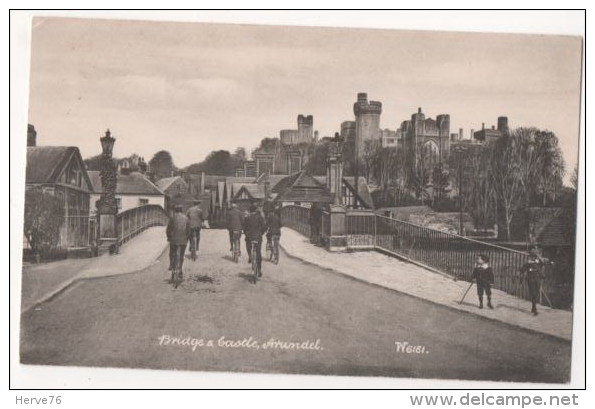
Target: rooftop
[{"x": 134, "y": 183}]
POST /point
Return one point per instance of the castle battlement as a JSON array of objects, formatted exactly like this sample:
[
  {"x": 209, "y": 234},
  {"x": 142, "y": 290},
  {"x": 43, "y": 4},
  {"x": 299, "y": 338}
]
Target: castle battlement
[
  {"x": 363, "y": 106},
  {"x": 305, "y": 120}
]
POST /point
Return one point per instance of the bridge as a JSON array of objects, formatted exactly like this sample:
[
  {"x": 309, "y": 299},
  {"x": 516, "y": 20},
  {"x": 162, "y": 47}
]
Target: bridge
[{"x": 311, "y": 295}]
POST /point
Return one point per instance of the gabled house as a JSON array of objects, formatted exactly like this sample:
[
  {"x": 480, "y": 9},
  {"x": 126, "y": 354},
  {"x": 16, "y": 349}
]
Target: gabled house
[
  {"x": 174, "y": 188},
  {"x": 132, "y": 190},
  {"x": 301, "y": 189},
  {"x": 60, "y": 171}
]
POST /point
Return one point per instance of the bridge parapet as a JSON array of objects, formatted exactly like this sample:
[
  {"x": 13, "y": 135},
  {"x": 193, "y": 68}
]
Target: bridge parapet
[
  {"x": 446, "y": 253},
  {"x": 133, "y": 221}
]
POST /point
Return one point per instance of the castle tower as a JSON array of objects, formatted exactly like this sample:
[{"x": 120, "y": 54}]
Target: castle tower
[
  {"x": 443, "y": 123},
  {"x": 305, "y": 131},
  {"x": 367, "y": 121},
  {"x": 503, "y": 124}
]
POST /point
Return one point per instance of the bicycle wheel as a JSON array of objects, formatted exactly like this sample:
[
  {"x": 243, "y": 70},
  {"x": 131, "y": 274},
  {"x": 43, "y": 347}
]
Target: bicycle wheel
[
  {"x": 235, "y": 252},
  {"x": 193, "y": 247},
  {"x": 275, "y": 251},
  {"x": 254, "y": 264},
  {"x": 269, "y": 251}
]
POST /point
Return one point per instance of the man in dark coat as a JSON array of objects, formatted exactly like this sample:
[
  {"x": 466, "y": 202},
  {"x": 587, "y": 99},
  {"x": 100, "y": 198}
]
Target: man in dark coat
[
  {"x": 484, "y": 279},
  {"x": 177, "y": 232},
  {"x": 532, "y": 272},
  {"x": 254, "y": 227},
  {"x": 234, "y": 224}
]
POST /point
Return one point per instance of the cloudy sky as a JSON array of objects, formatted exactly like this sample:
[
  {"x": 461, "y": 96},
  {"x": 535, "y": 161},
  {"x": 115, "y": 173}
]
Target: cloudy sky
[{"x": 191, "y": 88}]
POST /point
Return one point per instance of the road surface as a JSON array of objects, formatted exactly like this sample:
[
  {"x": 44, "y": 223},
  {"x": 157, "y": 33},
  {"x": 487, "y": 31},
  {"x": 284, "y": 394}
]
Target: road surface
[{"x": 298, "y": 318}]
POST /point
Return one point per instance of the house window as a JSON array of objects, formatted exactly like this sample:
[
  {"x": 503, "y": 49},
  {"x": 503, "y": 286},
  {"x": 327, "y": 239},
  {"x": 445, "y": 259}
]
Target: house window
[
  {"x": 119, "y": 202},
  {"x": 143, "y": 201}
]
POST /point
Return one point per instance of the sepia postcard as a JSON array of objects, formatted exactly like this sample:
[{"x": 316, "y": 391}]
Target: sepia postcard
[{"x": 300, "y": 200}]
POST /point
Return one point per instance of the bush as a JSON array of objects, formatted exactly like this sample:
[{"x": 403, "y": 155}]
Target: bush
[{"x": 43, "y": 218}]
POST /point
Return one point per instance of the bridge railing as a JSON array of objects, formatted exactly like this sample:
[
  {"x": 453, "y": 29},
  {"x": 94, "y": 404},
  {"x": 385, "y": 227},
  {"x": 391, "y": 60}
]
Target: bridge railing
[
  {"x": 133, "y": 221},
  {"x": 450, "y": 254},
  {"x": 297, "y": 218},
  {"x": 447, "y": 253}
]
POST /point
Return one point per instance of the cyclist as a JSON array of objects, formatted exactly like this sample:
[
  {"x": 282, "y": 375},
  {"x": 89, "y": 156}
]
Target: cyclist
[
  {"x": 274, "y": 233},
  {"x": 254, "y": 227},
  {"x": 177, "y": 232},
  {"x": 234, "y": 225},
  {"x": 195, "y": 220}
]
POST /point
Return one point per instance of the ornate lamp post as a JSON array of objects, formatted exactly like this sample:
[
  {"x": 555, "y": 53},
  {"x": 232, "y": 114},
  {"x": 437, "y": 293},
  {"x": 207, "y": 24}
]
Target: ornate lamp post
[
  {"x": 335, "y": 169},
  {"x": 107, "y": 207}
]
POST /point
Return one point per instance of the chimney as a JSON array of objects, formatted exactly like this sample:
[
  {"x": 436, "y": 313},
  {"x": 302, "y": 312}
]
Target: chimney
[
  {"x": 31, "y": 135},
  {"x": 460, "y": 134},
  {"x": 419, "y": 110},
  {"x": 142, "y": 165},
  {"x": 483, "y": 126},
  {"x": 202, "y": 183},
  {"x": 493, "y": 127},
  {"x": 472, "y": 132}
]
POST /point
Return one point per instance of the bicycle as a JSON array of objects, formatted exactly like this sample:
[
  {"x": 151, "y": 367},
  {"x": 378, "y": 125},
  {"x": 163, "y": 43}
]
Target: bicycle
[
  {"x": 275, "y": 248},
  {"x": 176, "y": 271},
  {"x": 269, "y": 249},
  {"x": 193, "y": 244},
  {"x": 254, "y": 258},
  {"x": 235, "y": 246}
]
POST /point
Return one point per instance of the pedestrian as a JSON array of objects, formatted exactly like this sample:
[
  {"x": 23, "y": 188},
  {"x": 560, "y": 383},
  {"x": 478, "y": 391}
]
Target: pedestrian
[
  {"x": 234, "y": 224},
  {"x": 195, "y": 220},
  {"x": 532, "y": 273},
  {"x": 254, "y": 227},
  {"x": 484, "y": 279},
  {"x": 177, "y": 232}
]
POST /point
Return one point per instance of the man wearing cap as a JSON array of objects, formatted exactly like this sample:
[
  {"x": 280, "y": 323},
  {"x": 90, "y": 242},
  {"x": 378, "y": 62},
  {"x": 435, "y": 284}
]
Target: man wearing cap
[
  {"x": 195, "y": 220},
  {"x": 532, "y": 272},
  {"x": 254, "y": 227},
  {"x": 177, "y": 233}
]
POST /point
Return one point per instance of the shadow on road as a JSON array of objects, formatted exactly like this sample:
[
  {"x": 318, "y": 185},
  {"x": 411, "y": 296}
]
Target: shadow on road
[
  {"x": 247, "y": 277},
  {"x": 228, "y": 258}
]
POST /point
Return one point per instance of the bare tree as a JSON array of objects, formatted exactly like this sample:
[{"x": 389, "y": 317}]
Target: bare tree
[
  {"x": 480, "y": 200},
  {"x": 550, "y": 172},
  {"x": 506, "y": 179}
]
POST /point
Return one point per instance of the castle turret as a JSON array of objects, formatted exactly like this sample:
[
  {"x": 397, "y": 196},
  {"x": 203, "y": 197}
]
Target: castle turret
[
  {"x": 305, "y": 131},
  {"x": 503, "y": 124},
  {"x": 367, "y": 120}
]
